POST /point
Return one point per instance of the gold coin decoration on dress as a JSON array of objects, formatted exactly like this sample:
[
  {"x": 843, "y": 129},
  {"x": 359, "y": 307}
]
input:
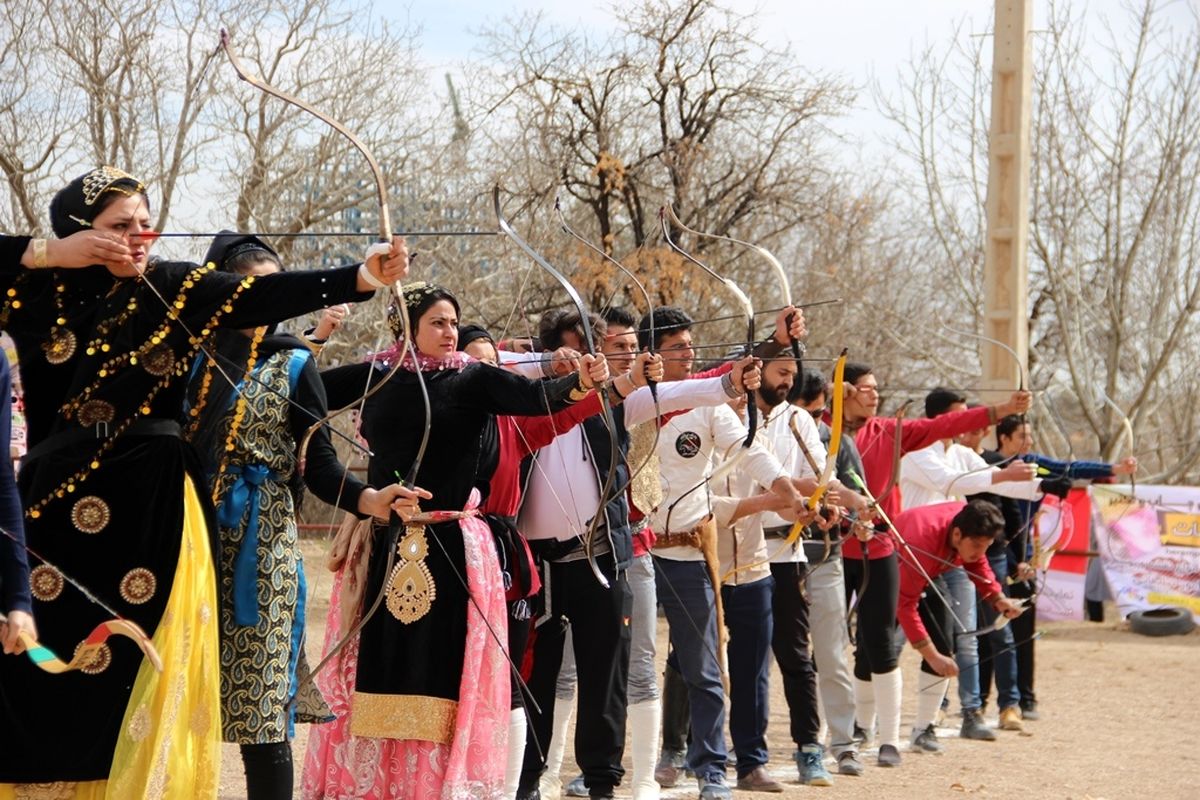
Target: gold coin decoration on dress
[
  {"x": 411, "y": 590},
  {"x": 90, "y": 514},
  {"x": 158, "y": 360},
  {"x": 138, "y": 585},
  {"x": 94, "y": 412},
  {"x": 45, "y": 582},
  {"x": 60, "y": 346},
  {"x": 96, "y": 657}
]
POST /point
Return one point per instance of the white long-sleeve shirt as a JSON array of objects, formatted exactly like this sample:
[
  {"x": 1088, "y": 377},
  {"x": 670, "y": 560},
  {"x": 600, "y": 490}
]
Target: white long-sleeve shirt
[
  {"x": 564, "y": 490},
  {"x": 778, "y": 438},
  {"x": 938, "y": 474},
  {"x": 690, "y": 446}
]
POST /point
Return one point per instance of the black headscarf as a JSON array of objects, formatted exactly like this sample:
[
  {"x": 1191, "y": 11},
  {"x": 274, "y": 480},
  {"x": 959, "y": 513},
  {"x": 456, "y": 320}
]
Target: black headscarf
[
  {"x": 231, "y": 350},
  {"x": 228, "y": 245},
  {"x": 81, "y": 201},
  {"x": 471, "y": 333}
]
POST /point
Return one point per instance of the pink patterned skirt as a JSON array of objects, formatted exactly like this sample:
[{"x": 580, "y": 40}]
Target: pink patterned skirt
[{"x": 340, "y": 766}]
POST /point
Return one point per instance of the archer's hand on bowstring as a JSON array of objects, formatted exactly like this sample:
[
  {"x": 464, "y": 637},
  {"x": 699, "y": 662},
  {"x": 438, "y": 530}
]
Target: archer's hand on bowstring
[
  {"x": 787, "y": 329},
  {"x": 379, "y": 503},
  {"x": 18, "y": 622},
  {"x": 84, "y": 249},
  {"x": 386, "y": 263},
  {"x": 746, "y": 374},
  {"x": 331, "y": 319},
  {"x": 841, "y": 495},
  {"x": 564, "y": 361}
]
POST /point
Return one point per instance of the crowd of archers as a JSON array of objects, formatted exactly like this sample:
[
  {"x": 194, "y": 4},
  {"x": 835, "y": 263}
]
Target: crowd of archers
[{"x": 525, "y": 514}]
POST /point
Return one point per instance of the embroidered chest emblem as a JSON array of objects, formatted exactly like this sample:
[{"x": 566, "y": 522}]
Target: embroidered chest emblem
[{"x": 688, "y": 444}]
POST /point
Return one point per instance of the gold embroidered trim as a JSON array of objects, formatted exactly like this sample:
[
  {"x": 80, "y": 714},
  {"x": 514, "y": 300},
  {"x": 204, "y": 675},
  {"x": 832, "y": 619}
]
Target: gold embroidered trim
[
  {"x": 94, "y": 412},
  {"x": 139, "y": 724},
  {"x": 138, "y": 585},
  {"x": 411, "y": 590},
  {"x": 159, "y": 360},
  {"x": 45, "y": 582},
  {"x": 60, "y": 347},
  {"x": 59, "y": 790},
  {"x": 98, "y": 657},
  {"x": 403, "y": 716},
  {"x": 90, "y": 514}
]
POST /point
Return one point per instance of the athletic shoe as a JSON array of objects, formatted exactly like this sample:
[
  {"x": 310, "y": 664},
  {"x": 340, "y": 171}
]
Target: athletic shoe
[
  {"x": 529, "y": 794},
  {"x": 1029, "y": 710},
  {"x": 714, "y": 787},
  {"x": 576, "y": 788},
  {"x": 1010, "y": 719},
  {"x": 888, "y": 756},
  {"x": 849, "y": 763},
  {"x": 925, "y": 740},
  {"x": 810, "y": 760},
  {"x": 670, "y": 764},
  {"x": 973, "y": 727}
]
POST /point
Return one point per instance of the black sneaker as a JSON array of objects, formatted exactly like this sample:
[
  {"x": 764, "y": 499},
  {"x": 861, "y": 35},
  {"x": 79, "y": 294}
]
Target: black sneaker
[
  {"x": 888, "y": 756},
  {"x": 529, "y": 794},
  {"x": 1029, "y": 710},
  {"x": 860, "y": 736},
  {"x": 973, "y": 727},
  {"x": 925, "y": 740}
]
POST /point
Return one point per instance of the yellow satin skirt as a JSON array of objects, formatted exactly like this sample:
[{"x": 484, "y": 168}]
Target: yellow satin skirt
[{"x": 170, "y": 740}]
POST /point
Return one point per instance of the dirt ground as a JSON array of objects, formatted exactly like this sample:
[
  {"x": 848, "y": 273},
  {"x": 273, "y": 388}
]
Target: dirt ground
[{"x": 1120, "y": 719}]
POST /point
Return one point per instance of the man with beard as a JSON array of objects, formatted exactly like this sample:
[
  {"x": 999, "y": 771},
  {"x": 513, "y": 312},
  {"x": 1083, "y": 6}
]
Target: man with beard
[{"x": 690, "y": 447}]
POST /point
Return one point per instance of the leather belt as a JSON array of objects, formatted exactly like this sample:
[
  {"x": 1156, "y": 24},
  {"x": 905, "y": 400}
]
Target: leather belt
[
  {"x": 780, "y": 532},
  {"x": 689, "y": 538}
]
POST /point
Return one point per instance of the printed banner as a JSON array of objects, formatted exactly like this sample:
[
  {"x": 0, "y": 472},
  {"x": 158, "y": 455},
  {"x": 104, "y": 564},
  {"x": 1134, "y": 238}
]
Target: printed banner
[
  {"x": 1062, "y": 543},
  {"x": 1149, "y": 544}
]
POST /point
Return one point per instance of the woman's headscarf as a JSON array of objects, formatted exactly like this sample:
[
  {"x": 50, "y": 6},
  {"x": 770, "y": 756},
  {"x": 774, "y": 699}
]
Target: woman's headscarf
[
  {"x": 228, "y": 246},
  {"x": 81, "y": 201},
  {"x": 419, "y": 297}
]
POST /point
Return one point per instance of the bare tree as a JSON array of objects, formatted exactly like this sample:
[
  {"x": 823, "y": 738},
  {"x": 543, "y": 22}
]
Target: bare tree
[
  {"x": 1115, "y": 221},
  {"x": 683, "y": 105}
]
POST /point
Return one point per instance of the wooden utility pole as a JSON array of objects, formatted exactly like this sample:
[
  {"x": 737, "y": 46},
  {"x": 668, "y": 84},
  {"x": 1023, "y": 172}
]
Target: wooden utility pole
[{"x": 1006, "y": 269}]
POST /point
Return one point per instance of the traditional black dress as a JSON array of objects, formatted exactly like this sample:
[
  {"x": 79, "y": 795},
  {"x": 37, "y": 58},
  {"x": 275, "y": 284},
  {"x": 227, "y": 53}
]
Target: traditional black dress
[
  {"x": 411, "y": 677},
  {"x": 115, "y": 500}
]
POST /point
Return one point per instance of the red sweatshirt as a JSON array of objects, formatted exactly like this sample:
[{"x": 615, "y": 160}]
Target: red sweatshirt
[
  {"x": 520, "y": 436},
  {"x": 927, "y": 531},
  {"x": 876, "y": 445}
]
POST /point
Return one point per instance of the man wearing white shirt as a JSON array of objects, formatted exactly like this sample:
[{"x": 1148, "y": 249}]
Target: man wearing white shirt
[
  {"x": 690, "y": 447},
  {"x": 939, "y": 473},
  {"x": 562, "y": 494}
]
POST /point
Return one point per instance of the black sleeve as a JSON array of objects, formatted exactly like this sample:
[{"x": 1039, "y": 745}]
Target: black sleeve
[
  {"x": 499, "y": 391},
  {"x": 279, "y": 296},
  {"x": 14, "y": 566},
  {"x": 345, "y": 385},
  {"x": 325, "y": 476},
  {"x": 11, "y": 250}
]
